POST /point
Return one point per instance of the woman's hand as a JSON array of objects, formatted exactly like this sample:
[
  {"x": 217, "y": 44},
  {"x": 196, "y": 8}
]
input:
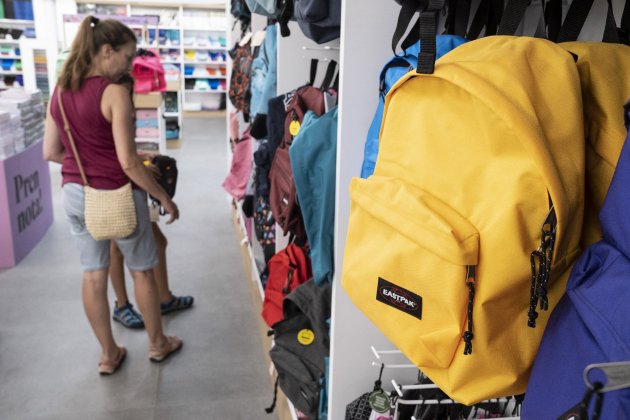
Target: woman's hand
[{"x": 171, "y": 208}]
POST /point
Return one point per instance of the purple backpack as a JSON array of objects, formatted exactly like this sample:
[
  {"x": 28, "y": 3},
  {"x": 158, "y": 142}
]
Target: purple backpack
[{"x": 591, "y": 323}]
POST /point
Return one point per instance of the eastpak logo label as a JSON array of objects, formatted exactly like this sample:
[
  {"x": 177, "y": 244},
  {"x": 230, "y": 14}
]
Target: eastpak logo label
[{"x": 399, "y": 298}]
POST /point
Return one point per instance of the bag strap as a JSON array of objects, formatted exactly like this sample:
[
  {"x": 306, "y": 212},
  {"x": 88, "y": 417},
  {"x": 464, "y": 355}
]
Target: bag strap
[
  {"x": 330, "y": 73},
  {"x": 428, "y": 29},
  {"x": 579, "y": 11},
  {"x": 66, "y": 128},
  {"x": 314, "y": 63},
  {"x": 512, "y": 16}
]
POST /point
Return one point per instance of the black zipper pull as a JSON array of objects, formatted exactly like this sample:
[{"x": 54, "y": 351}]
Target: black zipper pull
[
  {"x": 470, "y": 282},
  {"x": 541, "y": 261}
]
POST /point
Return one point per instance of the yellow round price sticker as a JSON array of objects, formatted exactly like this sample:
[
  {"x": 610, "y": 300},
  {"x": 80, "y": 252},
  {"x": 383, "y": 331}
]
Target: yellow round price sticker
[
  {"x": 306, "y": 337},
  {"x": 294, "y": 128}
]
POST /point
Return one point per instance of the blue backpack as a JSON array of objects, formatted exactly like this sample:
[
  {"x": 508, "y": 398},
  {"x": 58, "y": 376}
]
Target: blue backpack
[
  {"x": 591, "y": 322},
  {"x": 313, "y": 156},
  {"x": 396, "y": 68},
  {"x": 262, "y": 84}
]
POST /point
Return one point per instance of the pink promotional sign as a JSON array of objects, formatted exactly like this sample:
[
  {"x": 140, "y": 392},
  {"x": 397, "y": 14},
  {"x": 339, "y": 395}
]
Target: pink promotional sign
[{"x": 25, "y": 203}]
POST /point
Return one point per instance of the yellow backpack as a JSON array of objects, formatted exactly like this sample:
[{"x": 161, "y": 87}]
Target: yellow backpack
[
  {"x": 474, "y": 213},
  {"x": 604, "y": 70}
]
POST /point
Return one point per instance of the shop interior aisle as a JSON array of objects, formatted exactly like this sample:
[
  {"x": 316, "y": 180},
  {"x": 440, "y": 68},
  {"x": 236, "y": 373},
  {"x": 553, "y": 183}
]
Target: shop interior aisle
[{"x": 49, "y": 356}]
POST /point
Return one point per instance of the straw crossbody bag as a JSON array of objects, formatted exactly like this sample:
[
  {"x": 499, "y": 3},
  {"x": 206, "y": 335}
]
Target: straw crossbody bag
[{"x": 109, "y": 214}]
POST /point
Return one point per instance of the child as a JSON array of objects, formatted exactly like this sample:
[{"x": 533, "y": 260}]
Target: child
[{"x": 124, "y": 311}]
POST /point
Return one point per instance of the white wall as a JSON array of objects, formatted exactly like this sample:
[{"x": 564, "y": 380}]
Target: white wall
[{"x": 365, "y": 47}]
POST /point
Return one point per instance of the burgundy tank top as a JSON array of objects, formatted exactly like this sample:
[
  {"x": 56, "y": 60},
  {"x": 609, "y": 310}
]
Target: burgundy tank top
[{"x": 92, "y": 135}]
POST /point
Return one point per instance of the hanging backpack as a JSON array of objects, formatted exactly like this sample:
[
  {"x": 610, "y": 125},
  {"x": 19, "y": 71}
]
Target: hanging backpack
[
  {"x": 313, "y": 157},
  {"x": 240, "y": 169},
  {"x": 287, "y": 270},
  {"x": 168, "y": 173},
  {"x": 263, "y": 74},
  {"x": 147, "y": 72},
  {"x": 239, "y": 81},
  {"x": 396, "y": 68},
  {"x": 473, "y": 216},
  {"x": 590, "y": 324},
  {"x": 282, "y": 194},
  {"x": 319, "y": 20},
  {"x": 605, "y": 85},
  {"x": 301, "y": 345}
]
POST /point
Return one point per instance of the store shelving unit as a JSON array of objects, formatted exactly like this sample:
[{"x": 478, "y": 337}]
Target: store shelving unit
[{"x": 10, "y": 52}]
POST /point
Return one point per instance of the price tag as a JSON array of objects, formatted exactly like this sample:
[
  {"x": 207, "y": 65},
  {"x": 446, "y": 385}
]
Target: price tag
[
  {"x": 294, "y": 128},
  {"x": 306, "y": 337}
]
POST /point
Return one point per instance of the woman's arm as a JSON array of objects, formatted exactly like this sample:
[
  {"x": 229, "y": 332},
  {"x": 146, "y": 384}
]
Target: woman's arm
[
  {"x": 116, "y": 104},
  {"x": 53, "y": 147}
]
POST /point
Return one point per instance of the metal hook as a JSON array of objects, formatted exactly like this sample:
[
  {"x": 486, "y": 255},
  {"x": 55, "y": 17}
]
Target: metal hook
[{"x": 617, "y": 375}]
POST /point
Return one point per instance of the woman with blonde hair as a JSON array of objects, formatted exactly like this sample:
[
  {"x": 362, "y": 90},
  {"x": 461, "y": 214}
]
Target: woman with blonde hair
[{"x": 98, "y": 111}]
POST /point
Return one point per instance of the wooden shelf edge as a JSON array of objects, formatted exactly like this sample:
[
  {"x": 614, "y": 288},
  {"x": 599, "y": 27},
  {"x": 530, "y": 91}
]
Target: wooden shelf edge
[
  {"x": 204, "y": 114},
  {"x": 174, "y": 144}
]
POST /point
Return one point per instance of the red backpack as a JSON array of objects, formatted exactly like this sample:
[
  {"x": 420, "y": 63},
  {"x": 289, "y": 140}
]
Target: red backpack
[{"x": 287, "y": 270}]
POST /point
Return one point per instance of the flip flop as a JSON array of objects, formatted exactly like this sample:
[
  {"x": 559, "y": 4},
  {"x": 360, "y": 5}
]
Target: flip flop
[{"x": 108, "y": 368}]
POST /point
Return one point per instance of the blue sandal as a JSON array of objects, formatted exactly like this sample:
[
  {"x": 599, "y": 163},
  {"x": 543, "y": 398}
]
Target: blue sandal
[
  {"x": 177, "y": 303},
  {"x": 128, "y": 316}
]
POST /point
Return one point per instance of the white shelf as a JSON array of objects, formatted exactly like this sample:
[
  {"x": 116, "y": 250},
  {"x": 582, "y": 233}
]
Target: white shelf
[
  {"x": 204, "y": 91},
  {"x": 170, "y": 61},
  {"x": 12, "y": 57},
  {"x": 10, "y": 73},
  {"x": 218, "y": 63},
  {"x": 200, "y": 47},
  {"x": 191, "y": 28},
  {"x": 172, "y": 47},
  {"x": 204, "y": 77},
  {"x": 171, "y": 114},
  {"x": 18, "y": 22},
  {"x": 9, "y": 41}
]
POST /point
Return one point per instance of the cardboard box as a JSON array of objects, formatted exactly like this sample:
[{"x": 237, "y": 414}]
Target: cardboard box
[{"x": 148, "y": 100}]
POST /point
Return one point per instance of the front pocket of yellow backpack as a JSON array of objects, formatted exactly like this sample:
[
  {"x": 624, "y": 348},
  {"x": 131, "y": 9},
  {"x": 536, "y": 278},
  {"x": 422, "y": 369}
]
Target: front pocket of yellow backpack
[{"x": 405, "y": 266}]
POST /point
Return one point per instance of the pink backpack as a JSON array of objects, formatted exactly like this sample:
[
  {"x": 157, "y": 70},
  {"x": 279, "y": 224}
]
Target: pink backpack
[
  {"x": 148, "y": 72},
  {"x": 240, "y": 170}
]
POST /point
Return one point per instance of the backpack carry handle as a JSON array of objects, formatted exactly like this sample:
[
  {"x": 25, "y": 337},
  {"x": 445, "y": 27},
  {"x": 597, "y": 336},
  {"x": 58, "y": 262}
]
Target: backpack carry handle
[
  {"x": 428, "y": 29},
  {"x": 407, "y": 10},
  {"x": 425, "y": 27}
]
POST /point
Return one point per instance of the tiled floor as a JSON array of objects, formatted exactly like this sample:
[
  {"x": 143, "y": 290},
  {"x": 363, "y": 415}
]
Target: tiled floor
[{"x": 49, "y": 355}]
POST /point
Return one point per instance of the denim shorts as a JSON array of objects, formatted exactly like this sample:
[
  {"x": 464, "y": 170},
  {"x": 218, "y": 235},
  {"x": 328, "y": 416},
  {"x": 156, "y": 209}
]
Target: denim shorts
[{"x": 138, "y": 249}]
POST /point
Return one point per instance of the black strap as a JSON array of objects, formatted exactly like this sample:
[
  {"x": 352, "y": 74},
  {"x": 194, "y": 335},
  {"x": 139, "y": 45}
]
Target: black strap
[
  {"x": 480, "y": 20},
  {"x": 610, "y": 30},
  {"x": 286, "y": 13},
  {"x": 512, "y": 16},
  {"x": 407, "y": 11},
  {"x": 335, "y": 84},
  {"x": 314, "y": 63},
  {"x": 553, "y": 17},
  {"x": 412, "y": 37},
  {"x": 461, "y": 16},
  {"x": 487, "y": 16},
  {"x": 574, "y": 20},
  {"x": 330, "y": 73},
  {"x": 625, "y": 21},
  {"x": 270, "y": 409},
  {"x": 428, "y": 29}
]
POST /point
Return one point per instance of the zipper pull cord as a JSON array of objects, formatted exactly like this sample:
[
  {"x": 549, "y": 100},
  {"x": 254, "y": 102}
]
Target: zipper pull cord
[
  {"x": 470, "y": 282},
  {"x": 550, "y": 241},
  {"x": 542, "y": 272}
]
